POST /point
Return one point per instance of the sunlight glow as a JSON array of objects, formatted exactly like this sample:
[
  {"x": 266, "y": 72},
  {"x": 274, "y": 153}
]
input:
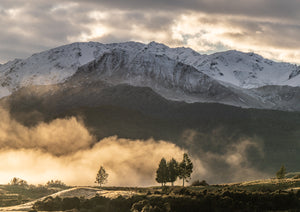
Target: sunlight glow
[
  {"x": 202, "y": 34},
  {"x": 96, "y": 31}
]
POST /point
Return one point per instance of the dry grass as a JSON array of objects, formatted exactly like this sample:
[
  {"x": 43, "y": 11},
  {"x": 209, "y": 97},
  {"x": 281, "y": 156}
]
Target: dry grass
[
  {"x": 89, "y": 192},
  {"x": 80, "y": 192}
]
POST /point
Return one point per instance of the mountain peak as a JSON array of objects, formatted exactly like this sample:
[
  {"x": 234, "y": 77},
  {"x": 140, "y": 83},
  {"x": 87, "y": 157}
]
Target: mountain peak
[{"x": 175, "y": 73}]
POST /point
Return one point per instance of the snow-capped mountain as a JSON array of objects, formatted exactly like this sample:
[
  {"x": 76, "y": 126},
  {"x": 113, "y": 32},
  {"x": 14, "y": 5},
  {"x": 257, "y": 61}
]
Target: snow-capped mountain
[
  {"x": 182, "y": 74},
  {"x": 246, "y": 70},
  {"x": 49, "y": 67}
]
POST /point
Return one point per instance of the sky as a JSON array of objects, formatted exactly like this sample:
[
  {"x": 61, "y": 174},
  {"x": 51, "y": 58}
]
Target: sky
[{"x": 267, "y": 27}]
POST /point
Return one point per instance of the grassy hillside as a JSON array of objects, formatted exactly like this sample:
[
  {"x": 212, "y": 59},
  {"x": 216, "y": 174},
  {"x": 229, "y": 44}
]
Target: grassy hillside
[
  {"x": 265, "y": 195},
  {"x": 15, "y": 195},
  {"x": 259, "y": 195}
]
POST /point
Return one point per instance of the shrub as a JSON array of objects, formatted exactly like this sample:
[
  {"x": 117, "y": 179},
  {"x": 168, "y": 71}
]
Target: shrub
[
  {"x": 56, "y": 183},
  {"x": 48, "y": 204},
  {"x": 182, "y": 191},
  {"x": 200, "y": 183},
  {"x": 70, "y": 203},
  {"x": 296, "y": 176},
  {"x": 18, "y": 182},
  {"x": 221, "y": 200},
  {"x": 138, "y": 206}
]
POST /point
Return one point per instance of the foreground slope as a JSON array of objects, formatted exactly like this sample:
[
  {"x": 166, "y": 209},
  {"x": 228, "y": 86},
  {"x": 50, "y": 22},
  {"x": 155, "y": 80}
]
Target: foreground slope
[{"x": 262, "y": 195}]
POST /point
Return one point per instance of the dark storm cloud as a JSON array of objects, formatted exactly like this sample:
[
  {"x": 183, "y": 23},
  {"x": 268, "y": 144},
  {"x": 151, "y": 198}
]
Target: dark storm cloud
[
  {"x": 263, "y": 8},
  {"x": 35, "y": 25},
  {"x": 278, "y": 35},
  {"x": 159, "y": 21},
  {"x": 32, "y": 26}
]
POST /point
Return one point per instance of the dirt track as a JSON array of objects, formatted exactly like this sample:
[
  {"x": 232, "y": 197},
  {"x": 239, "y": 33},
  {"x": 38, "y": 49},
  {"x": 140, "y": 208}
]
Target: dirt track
[{"x": 86, "y": 192}]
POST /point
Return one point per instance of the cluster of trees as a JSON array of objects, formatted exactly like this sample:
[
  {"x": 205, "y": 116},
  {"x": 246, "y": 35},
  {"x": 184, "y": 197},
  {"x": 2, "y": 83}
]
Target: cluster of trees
[
  {"x": 171, "y": 170},
  {"x": 166, "y": 172}
]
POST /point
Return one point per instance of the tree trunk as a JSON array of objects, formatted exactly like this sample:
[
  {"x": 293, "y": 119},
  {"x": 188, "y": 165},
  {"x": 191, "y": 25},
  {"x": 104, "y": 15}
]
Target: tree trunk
[
  {"x": 182, "y": 182},
  {"x": 172, "y": 184}
]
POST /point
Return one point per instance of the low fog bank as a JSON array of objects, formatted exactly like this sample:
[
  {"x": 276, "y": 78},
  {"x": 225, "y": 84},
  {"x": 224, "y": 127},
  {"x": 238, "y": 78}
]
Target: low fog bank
[
  {"x": 59, "y": 137},
  {"x": 226, "y": 160},
  {"x": 129, "y": 163},
  {"x": 64, "y": 149}
]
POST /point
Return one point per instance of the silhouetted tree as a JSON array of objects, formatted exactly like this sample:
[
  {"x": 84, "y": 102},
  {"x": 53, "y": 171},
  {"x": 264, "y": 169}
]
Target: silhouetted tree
[
  {"x": 281, "y": 173},
  {"x": 162, "y": 172},
  {"x": 101, "y": 177},
  {"x": 172, "y": 171},
  {"x": 185, "y": 168}
]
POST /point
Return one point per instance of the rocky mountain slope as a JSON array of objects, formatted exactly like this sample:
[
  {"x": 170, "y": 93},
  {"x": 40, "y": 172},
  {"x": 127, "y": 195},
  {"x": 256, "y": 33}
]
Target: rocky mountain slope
[{"x": 234, "y": 78}]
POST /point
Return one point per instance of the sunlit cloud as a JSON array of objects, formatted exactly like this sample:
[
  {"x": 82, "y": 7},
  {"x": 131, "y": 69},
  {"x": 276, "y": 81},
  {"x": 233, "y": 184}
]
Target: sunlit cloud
[
  {"x": 96, "y": 31},
  {"x": 270, "y": 27},
  {"x": 219, "y": 33}
]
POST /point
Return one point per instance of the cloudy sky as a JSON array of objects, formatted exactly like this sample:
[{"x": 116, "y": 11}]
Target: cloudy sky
[{"x": 268, "y": 27}]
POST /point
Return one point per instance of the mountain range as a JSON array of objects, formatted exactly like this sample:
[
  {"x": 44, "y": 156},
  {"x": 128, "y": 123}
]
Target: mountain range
[
  {"x": 207, "y": 104},
  {"x": 181, "y": 74}
]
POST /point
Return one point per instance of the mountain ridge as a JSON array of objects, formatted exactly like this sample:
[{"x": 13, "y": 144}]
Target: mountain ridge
[{"x": 180, "y": 74}]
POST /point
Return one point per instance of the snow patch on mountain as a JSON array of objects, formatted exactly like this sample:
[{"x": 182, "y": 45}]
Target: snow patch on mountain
[
  {"x": 245, "y": 70},
  {"x": 175, "y": 73},
  {"x": 49, "y": 67}
]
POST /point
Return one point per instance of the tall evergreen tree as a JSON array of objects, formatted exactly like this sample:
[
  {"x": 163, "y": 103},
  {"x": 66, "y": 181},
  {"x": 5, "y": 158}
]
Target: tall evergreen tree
[
  {"x": 281, "y": 172},
  {"x": 162, "y": 172},
  {"x": 101, "y": 177},
  {"x": 185, "y": 169},
  {"x": 172, "y": 171}
]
